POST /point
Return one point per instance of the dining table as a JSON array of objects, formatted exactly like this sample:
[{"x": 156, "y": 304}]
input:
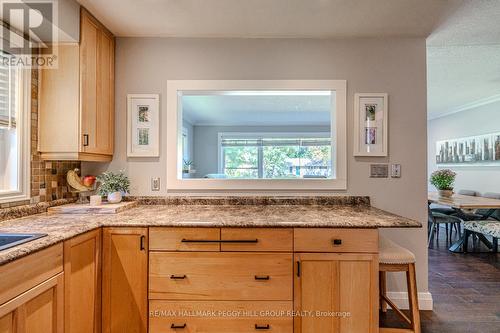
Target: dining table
[{"x": 464, "y": 205}]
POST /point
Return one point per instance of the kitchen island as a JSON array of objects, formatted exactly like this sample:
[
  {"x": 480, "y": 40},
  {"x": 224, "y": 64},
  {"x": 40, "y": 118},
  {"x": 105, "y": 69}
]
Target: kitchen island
[{"x": 274, "y": 265}]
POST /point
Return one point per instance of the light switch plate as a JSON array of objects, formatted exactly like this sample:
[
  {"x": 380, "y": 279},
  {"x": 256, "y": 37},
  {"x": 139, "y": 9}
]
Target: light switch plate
[
  {"x": 396, "y": 170},
  {"x": 155, "y": 183}
]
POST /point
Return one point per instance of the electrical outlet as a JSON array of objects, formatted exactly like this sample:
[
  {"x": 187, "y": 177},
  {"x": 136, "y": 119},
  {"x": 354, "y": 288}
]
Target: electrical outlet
[
  {"x": 396, "y": 170},
  {"x": 155, "y": 183}
]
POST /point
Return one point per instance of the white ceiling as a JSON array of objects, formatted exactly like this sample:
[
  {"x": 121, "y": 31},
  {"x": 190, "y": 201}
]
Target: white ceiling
[
  {"x": 271, "y": 110},
  {"x": 270, "y": 18},
  {"x": 463, "y": 42},
  {"x": 463, "y": 57}
]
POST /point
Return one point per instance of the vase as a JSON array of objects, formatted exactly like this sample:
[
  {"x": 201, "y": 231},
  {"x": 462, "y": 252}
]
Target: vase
[
  {"x": 114, "y": 197},
  {"x": 445, "y": 193}
]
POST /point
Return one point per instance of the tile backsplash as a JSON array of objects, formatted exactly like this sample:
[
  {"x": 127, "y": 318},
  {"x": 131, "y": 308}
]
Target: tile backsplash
[{"x": 48, "y": 178}]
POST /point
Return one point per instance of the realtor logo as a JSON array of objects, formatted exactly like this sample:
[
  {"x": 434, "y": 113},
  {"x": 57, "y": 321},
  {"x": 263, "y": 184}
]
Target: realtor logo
[{"x": 30, "y": 33}]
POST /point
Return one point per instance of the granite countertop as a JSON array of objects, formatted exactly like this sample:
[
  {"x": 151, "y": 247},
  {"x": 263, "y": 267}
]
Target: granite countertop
[{"x": 61, "y": 227}]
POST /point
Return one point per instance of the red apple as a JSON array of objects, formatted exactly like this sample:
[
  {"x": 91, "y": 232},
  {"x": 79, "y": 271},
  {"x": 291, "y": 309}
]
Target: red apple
[{"x": 88, "y": 181}]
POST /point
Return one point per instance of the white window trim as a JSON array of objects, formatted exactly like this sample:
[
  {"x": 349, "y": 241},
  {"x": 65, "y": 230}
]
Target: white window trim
[
  {"x": 220, "y": 135},
  {"x": 175, "y": 181},
  {"x": 23, "y": 125}
]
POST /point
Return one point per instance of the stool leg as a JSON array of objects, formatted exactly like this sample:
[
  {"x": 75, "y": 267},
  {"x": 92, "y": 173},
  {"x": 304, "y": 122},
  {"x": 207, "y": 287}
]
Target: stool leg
[
  {"x": 413, "y": 298},
  {"x": 495, "y": 245},
  {"x": 383, "y": 290}
]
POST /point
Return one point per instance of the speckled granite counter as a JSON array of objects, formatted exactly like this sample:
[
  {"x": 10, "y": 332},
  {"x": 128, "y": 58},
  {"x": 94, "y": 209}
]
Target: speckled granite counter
[{"x": 62, "y": 227}]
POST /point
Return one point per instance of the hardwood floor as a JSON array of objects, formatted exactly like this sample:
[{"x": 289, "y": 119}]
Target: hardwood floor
[{"x": 465, "y": 289}]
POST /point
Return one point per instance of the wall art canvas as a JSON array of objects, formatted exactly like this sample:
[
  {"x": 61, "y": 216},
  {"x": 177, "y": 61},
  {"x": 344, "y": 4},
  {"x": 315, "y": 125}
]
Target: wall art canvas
[
  {"x": 143, "y": 125},
  {"x": 472, "y": 150}
]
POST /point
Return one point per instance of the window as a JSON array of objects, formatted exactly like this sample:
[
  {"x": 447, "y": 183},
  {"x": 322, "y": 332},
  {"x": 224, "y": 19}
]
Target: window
[
  {"x": 14, "y": 132},
  {"x": 275, "y": 155},
  {"x": 257, "y": 106}
]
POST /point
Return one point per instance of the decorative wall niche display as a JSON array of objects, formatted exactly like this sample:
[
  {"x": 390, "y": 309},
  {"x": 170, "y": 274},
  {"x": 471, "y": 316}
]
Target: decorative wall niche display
[
  {"x": 370, "y": 124},
  {"x": 472, "y": 150},
  {"x": 143, "y": 124}
]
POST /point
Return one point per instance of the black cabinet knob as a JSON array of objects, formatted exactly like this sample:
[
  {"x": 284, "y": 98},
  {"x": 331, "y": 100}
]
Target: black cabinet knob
[{"x": 262, "y": 327}]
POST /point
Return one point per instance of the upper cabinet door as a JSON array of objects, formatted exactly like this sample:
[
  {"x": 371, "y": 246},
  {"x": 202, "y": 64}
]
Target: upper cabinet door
[
  {"x": 97, "y": 86},
  {"x": 89, "y": 34},
  {"x": 104, "y": 133}
]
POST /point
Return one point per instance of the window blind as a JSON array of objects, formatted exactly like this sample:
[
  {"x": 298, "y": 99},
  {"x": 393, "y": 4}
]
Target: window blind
[
  {"x": 275, "y": 142},
  {"x": 8, "y": 93}
]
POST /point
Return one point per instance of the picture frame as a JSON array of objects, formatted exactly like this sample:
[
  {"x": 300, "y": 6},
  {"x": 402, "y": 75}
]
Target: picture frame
[
  {"x": 143, "y": 125},
  {"x": 371, "y": 124}
]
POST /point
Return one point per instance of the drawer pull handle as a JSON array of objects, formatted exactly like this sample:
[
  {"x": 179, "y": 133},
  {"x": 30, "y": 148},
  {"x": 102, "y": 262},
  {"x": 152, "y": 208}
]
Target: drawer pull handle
[
  {"x": 337, "y": 242},
  {"x": 262, "y": 277},
  {"x": 85, "y": 140},
  {"x": 262, "y": 327},
  {"x": 178, "y": 277},
  {"x": 184, "y": 240},
  {"x": 178, "y": 326}
]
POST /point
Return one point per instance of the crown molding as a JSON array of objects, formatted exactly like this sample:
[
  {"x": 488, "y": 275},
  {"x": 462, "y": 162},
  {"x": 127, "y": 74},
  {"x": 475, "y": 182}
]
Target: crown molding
[{"x": 470, "y": 106}]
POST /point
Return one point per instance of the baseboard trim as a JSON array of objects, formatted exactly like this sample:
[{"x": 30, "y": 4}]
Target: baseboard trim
[{"x": 425, "y": 301}]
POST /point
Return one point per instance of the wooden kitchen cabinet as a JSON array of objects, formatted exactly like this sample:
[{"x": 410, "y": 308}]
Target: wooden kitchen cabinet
[
  {"x": 340, "y": 290},
  {"x": 76, "y": 100},
  {"x": 125, "y": 277},
  {"x": 38, "y": 310},
  {"x": 82, "y": 283},
  {"x": 31, "y": 293}
]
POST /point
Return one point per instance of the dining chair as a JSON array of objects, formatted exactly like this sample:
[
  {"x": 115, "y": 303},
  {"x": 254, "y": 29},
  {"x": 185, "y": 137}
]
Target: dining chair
[
  {"x": 470, "y": 193},
  {"x": 434, "y": 221}
]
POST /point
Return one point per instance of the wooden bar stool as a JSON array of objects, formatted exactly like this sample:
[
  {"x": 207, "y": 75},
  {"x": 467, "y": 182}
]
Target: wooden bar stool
[{"x": 394, "y": 258}]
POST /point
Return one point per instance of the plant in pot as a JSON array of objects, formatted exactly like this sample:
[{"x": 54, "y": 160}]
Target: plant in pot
[
  {"x": 443, "y": 180},
  {"x": 113, "y": 185},
  {"x": 187, "y": 166}
]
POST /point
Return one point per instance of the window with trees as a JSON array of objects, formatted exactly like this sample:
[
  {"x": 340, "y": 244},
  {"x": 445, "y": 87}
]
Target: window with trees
[
  {"x": 14, "y": 130},
  {"x": 275, "y": 155}
]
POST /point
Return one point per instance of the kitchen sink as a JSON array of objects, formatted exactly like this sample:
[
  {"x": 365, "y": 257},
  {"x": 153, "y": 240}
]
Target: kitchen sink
[{"x": 8, "y": 240}]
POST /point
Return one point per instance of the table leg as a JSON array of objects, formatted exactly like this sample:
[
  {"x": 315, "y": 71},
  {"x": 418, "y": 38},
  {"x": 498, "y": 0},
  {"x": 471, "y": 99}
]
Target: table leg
[{"x": 457, "y": 246}]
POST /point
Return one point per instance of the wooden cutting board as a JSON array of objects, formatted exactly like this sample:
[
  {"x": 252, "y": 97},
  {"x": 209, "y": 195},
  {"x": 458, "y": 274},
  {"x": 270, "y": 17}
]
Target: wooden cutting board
[{"x": 104, "y": 208}]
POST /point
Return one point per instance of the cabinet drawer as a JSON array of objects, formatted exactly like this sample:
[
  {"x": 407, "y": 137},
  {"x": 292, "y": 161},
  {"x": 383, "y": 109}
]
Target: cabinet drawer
[
  {"x": 257, "y": 239},
  {"x": 184, "y": 239},
  {"x": 336, "y": 240},
  {"x": 220, "y": 276},
  {"x": 220, "y": 317},
  {"x": 27, "y": 272}
]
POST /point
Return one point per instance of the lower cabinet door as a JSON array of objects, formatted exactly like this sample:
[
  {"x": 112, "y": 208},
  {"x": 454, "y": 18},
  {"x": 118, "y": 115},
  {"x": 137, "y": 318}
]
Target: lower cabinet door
[
  {"x": 38, "y": 310},
  {"x": 124, "y": 276},
  {"x": 220, "y": 316},
  {"x": 336, "y": 293},
  {"x": 82, "y": 283}
]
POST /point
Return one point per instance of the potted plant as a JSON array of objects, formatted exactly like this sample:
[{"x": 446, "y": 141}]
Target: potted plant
[
  {"x": 187, "y": 166},
  {"x": 113, "y": 185},
  {"x": 443, "y": 180}
]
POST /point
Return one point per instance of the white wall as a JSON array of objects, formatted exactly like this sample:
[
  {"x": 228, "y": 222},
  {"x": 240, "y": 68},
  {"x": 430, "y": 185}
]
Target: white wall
[
  {"x": 395, "y": 66},
  {"x": 481, "y": 120}
]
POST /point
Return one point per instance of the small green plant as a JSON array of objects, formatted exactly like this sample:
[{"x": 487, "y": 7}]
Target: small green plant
[
  {"x": 187, "y": 165},
  {"x": 443, "y": 179},
  {"x": 113, "y": 182}
]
